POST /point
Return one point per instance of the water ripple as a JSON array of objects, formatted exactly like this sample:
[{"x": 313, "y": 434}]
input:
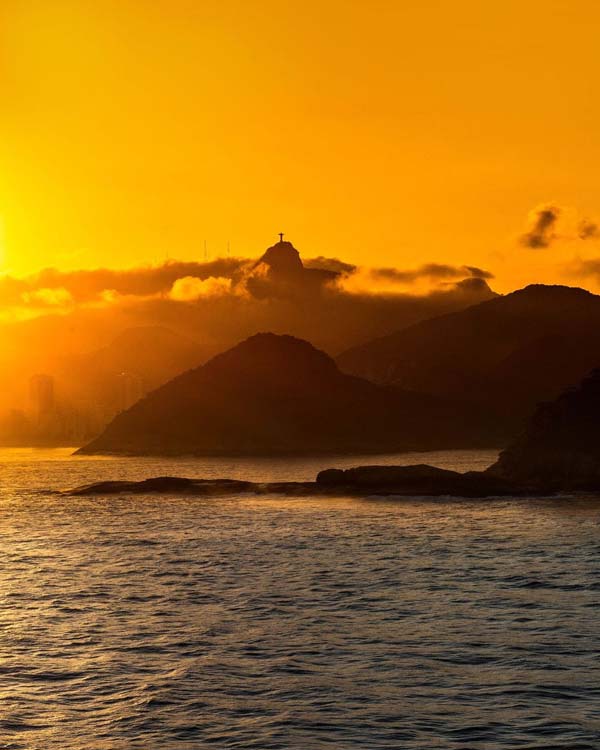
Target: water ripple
[{"x": 178, "y": 623}]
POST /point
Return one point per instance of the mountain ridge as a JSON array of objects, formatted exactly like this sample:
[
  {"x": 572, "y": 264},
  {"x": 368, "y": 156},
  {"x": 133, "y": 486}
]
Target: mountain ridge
[
  {"x": 278, "y": 395},
  {"x": 487, "y": 353}
]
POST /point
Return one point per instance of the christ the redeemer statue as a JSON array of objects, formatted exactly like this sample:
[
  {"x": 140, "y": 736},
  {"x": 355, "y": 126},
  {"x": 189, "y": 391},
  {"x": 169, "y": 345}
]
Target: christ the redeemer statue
[{"x": 281, "y": 236}]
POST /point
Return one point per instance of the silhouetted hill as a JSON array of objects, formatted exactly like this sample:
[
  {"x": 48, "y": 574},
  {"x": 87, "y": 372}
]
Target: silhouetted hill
[
  {"x": 560, "y": 448},
  {"x": 279, "y": 395},
  {"x": 280, "y": 272},
  {"x": 155, "y": 353},
  {"x": 145, "y": 355},
  {"x": 505, "y": 355},
  {"x": 282, "y": 259}
]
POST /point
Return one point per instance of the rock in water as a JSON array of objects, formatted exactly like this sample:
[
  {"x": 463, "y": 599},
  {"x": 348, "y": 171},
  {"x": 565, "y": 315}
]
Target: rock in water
[
  {"x": 418, "y": 479},
  {"x": 361, "y": 481}
]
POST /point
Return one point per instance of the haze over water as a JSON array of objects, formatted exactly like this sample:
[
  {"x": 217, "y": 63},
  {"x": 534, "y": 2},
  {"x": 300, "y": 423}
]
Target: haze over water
[{"x": 272, "y": 622}]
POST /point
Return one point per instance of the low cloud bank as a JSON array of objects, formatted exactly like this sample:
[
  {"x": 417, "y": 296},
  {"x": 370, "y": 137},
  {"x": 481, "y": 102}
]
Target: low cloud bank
[
  {"x": 104, "y": 284},
  {"x": 431, "y": 272},
  {"x": 52, "y": 290},
  {"x": 191, "y": 288},
  {"x": 330, "y": 302}
]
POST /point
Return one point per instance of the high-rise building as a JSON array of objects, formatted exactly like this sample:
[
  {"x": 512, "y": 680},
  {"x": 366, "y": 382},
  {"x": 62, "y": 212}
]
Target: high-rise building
[
  {"x": 129, "y": 389},
  {"x": 41, "y": 391}
]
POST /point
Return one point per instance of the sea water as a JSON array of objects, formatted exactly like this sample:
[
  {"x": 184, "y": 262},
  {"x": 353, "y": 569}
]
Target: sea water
[{"x": 177, "y": 623}]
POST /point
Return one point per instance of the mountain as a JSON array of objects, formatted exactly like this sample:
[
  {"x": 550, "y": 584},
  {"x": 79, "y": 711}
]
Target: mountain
[
  {"x": 280, "y": 273},
  {"x": 275, "y": 395},
  {"x": 503, "y": 355},
  {"x": 154, "y": 353},
  {"x": 138, "y": 359}
]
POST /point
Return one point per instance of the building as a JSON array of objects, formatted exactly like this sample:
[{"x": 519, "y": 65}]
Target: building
[{"x": 42, "y": 395}]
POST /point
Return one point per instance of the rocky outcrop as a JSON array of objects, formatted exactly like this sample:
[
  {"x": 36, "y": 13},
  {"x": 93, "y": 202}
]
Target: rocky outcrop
[
  {"x": 164, "y": 485},
  {"x": 418, "y": 479},
  {"x": 560, "y": 449}
]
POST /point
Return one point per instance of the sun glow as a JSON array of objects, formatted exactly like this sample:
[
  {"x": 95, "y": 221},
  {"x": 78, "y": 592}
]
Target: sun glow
[{"x": 383, "y": 133}]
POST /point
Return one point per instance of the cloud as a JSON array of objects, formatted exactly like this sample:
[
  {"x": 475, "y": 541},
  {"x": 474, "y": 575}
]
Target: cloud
[
  {"x": 330, "y": 264},
  {"x": 191, "y": 288},
  {"x": 185, "y": 281},
  {"x": 429, "y": 277},
  {"x": 542, "y": 227},
  {"x": 92, "y": 285},
  {"x": 328, "y": 301},
  {"x": 479, "y": 273},
  {"x": 473, "y": 284},
  {"x": 103, "y": 285},
  {"x": 550, "y": 223},
  {"x": 588, "y": 229},
  {"x": 48, "y": 297},
  {"x": 428, "y": 271}
]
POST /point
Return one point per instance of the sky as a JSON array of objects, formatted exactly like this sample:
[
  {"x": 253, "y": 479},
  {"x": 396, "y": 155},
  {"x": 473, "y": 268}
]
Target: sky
[{"x": 390, "y": 134}]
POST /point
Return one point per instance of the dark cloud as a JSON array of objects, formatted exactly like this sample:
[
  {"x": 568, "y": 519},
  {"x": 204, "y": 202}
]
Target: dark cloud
[
  {"x": 550, "y": 223},
  {"x": 279, "y": 273},
  {"x": 588, "y": 229},
  {"x": 429, "y": 271},
  {"x": 479, "y": 273},
  {"x": 330, "y": 264},
  {"x": 473, "y": 284},
  {"x": 89, "y": 285},
  {"x": 542, "y": 229}
]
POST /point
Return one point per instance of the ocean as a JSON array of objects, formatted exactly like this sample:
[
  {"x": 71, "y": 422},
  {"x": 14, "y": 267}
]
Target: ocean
[{"x": 179, "y": 623}]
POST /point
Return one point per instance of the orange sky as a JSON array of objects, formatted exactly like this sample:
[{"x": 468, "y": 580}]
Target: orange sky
[{"x": 388, "y": 133}]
